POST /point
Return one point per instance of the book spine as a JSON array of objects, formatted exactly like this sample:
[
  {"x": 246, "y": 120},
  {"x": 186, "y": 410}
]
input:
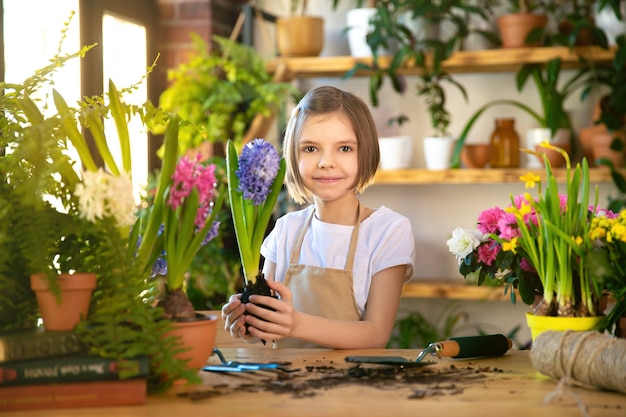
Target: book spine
[
  {"x": 25, "y": 346},
  {"x": 70, "y": 368},
  {"x": 74, "y": 395}
]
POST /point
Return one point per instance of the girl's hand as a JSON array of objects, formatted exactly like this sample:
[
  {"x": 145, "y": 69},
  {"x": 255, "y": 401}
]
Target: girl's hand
[
  {"x": 234, "y": 319},
  {"x": 275, "y": 318}
]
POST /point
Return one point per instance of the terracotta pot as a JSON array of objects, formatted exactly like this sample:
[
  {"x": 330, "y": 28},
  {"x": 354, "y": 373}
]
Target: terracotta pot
[
  {"x": 515, "y": 27},
  {"x": 534, "y": 137},
  {"x": 300, "y": 35},
  {"x": 72, "y": 307},
  {"x": 584, "y": 37},
  {"x": 586, "y": 136},
  {"x": 555, "y": 158},
  {"x": 601, "y": 147},
  {"x": 197, "y": 337},
  {"x": 539, "y": 324},
  {"x": 476, "y": 155}
]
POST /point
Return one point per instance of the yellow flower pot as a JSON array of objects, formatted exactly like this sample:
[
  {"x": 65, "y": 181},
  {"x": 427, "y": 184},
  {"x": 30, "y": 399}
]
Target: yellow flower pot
[{"x": 539, "y": 324}]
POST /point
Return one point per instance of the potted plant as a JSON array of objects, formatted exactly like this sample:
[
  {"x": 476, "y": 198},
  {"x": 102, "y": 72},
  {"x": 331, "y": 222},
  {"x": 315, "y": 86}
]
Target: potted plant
[
  {"x": 48, "y": 200},
  {"x": 219, "y": 93},
  {"x": 553, "y": 118},
  {"x": 255, "y": 179},
  {"x": 540, "y": 246},
  {"x": 179, "y": 220},
  {"x": 524, "y": 24},
  {"x": 358, "y": 26},
  {"x": 393, "y": 28},
  {"x": 57, "y": 217},
  {"x": 299, "y": 34},
  {"x": 396, "y": 150},
  {"x": 609, "y": 132}
]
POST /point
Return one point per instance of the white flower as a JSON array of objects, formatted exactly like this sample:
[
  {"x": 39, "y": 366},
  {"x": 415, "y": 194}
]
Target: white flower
[
  {"x": 102, "y": 195},
  {"x": 463, "y": 242}
]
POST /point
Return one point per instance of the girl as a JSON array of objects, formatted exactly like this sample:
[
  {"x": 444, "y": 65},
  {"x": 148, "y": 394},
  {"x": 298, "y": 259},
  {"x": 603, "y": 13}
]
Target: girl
[{"x": 336, "y": 266}]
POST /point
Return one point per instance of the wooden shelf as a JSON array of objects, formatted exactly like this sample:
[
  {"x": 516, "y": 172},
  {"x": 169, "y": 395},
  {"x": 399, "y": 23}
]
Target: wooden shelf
[
  {"x": 455, "y": 290},
  {"x": 488, "y": 60},
  {"x": 476, "y": 176}
]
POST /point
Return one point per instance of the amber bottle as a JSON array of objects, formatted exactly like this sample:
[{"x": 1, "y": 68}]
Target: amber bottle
[{"x": 504, "y": 145}]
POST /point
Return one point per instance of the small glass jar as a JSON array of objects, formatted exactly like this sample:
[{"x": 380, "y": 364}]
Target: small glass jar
[{"x": 504, "y": 145}]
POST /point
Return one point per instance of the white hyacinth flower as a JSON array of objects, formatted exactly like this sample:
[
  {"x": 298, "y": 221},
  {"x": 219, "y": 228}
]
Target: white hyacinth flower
[{"x": 102, "y": 195}]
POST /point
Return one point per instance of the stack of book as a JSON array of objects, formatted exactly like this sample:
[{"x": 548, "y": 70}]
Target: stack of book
[{"x": 46, "y": 370}]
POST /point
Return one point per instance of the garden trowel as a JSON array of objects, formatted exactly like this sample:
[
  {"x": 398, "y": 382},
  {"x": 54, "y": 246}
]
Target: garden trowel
[{"x": 456, "y": 347}]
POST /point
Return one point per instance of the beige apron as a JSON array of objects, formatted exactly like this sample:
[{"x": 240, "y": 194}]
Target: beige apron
[{"x": 323, "y": 292}]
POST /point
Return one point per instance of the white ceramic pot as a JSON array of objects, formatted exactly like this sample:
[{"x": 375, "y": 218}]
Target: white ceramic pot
[
  {"x": 357, "y": 21},
  {"x": 438, "y": 151},
  {"x": 606, "y": 20},
  {"x": 535, "y": 136},
  {"x": 396, "y": 152}
]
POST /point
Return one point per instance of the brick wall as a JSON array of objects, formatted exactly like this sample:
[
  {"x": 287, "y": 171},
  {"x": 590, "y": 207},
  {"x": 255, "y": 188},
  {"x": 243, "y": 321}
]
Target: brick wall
[{"x": 177, "y": 18}]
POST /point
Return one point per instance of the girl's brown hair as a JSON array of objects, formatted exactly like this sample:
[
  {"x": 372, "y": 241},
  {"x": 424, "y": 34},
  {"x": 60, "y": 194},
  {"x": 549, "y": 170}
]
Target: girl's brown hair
[{"x": 327, "y": 100}]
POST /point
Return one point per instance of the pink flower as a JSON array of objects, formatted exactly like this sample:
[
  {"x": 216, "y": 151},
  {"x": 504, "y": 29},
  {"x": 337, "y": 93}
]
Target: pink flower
[
  {"x": 187, "y": 176},
  {"x": 563, "y": 203},
  {"x": 488, "y": 220},
  {"x": 508, "y": 227},
  {"x": 526, "y": 266},
  {"x": 488, "y": 251}
]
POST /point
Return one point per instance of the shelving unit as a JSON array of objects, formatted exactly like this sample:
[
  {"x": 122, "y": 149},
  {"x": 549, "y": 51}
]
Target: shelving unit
[
  {"x": 489, "y": 60},
  {"x": 454, "y": 290},
  {"x": 485, "y": 61},
  {"x": 476, "y": 176}
]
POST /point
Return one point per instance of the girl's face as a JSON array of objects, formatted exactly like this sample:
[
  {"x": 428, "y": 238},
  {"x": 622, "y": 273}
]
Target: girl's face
[{"x": 328, "y": 156}]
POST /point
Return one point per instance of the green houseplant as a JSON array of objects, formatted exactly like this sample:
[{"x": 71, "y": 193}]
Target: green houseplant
[
  {"x": 613, "y": 113},
  {"x": 219, "y": 92},
  {"x": 552, "y": 93},
  {"x": 395, "y": 27}
]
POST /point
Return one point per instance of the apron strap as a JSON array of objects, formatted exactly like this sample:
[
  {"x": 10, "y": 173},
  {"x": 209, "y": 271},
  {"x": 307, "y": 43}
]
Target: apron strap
[{"x": 295, "y": 250}]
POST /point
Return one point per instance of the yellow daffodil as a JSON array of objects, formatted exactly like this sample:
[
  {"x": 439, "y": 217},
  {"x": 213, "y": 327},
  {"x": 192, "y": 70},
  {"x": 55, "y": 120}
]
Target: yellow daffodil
[
  {"x": 530, "y": 179},
  {"x": 510, "y": 245}
]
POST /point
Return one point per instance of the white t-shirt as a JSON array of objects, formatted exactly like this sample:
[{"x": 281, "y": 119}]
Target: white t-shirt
[{"x": 385, "y": 240}]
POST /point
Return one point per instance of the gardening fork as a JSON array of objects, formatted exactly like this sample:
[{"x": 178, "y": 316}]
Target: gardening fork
[{"x": 235, "y": 366}]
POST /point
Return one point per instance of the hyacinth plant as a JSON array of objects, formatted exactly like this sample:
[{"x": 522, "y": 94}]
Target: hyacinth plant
[
  {"x": 255, "y": 179},
  {"x": 538, "y": 245},
  {"x": 180, "y": 220}
]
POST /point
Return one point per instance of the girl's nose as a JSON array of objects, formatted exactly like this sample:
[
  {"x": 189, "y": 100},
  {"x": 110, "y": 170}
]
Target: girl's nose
[{"x": 326, "y": 160}]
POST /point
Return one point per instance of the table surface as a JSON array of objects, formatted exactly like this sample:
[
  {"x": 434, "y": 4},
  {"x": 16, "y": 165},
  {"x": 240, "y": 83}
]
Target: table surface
[{"x": 508, "y": 385}]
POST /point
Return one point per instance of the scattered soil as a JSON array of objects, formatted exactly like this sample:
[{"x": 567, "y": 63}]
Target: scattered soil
[{"x": 419, "y": 382}]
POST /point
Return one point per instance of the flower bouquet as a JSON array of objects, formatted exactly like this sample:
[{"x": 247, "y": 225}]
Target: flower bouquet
[
  {"x": 538, "y": 245},
  {"x": 255, "y": 179}
]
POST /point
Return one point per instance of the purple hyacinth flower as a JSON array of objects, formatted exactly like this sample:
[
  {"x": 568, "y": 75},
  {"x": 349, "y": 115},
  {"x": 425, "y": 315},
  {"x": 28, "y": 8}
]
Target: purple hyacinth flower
[
  {"x": 258, "y": 166},
  {"x": 159, "y": 267}
]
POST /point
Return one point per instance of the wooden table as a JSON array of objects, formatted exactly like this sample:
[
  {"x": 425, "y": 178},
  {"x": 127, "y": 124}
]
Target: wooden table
[{"x": 504, "y": 386}]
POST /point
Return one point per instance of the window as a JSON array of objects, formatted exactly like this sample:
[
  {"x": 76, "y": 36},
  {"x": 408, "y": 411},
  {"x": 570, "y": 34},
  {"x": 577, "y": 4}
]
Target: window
[{"x": 123, "y": 31}]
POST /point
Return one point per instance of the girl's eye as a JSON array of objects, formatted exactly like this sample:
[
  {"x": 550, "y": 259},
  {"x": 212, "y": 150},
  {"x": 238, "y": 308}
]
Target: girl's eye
[
  {"x": 308, "y": 149},
  {"x": 345, "y": 148}
]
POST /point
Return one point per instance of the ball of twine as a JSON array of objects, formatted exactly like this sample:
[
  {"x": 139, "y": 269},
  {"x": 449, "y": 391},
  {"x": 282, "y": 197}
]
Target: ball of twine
[{"x": 590, "y": 359}]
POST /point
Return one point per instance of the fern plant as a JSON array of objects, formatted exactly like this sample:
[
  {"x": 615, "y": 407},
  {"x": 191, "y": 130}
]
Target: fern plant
[{"x": 36, "y": 235}]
